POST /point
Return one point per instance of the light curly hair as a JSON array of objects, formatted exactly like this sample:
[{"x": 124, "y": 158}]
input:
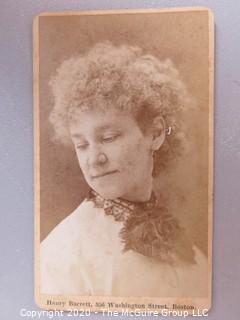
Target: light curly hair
[{"x": 125, "y": 78}]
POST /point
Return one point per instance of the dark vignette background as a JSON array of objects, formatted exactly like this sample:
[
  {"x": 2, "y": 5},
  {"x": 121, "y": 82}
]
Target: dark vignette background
[{"x": 16, "y": 139}]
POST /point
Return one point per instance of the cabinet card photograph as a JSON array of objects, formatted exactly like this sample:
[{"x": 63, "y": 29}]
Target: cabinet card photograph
[{"x": 123, "y": 145}]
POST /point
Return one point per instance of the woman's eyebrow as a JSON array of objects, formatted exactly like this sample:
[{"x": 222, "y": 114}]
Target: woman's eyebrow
[
  {"x": 107, "y": 127},
  {"x": 77, "y": 135}
]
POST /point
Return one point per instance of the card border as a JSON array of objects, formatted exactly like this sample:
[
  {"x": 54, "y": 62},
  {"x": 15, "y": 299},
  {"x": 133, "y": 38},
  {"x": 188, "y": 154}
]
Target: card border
[{"x": 40, "y": 299}]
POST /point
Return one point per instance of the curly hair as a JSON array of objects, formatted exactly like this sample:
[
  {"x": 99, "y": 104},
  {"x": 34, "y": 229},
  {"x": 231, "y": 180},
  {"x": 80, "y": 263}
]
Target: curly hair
[{"x": 125, "y": 78}]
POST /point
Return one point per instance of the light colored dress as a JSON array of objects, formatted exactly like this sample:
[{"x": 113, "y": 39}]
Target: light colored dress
[{"x": 83, "y": 255}]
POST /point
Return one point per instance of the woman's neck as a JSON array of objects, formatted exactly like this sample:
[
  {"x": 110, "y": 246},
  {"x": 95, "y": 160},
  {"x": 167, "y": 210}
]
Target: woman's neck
[{"x": 141, "y": 193}]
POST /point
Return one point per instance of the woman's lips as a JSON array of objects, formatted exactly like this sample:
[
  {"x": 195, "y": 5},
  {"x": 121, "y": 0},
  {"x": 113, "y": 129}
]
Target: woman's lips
[{"x": 103, "y": 174}]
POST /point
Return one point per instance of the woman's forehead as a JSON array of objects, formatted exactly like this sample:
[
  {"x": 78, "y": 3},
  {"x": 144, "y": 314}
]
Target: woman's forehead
[{"x": 100, "y": 120}]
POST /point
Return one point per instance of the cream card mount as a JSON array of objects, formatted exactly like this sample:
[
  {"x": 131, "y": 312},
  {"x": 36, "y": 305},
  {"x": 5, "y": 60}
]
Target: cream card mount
[{"x": 123, "y": 146}]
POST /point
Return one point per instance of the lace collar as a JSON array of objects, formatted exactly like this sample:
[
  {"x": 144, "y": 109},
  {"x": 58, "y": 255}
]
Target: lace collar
[
  {"x": 121, "y": 209},
  {"x": 148, "y": 228}
]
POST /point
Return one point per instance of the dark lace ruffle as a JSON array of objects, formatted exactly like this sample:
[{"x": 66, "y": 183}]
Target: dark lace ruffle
[{"x": 148, "y": 228}]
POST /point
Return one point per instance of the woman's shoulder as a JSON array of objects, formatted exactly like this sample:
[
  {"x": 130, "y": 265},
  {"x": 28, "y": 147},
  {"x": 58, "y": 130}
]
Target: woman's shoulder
[
  {"x": 65, "y": 236},
  {"x": 60, "y": 253},
  {"x": 69, "y": 225}
]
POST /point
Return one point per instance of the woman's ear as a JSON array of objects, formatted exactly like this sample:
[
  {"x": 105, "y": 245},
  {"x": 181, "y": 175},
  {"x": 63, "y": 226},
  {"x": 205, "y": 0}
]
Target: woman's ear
[{"x": 158, "y": 132}]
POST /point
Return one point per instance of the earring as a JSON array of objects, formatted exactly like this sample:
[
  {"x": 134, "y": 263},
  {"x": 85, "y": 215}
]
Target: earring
[{"x": 168, "y": 131}]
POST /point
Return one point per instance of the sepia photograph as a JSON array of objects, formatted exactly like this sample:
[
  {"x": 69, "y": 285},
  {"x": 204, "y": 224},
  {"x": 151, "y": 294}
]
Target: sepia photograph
[{"x": 123, "y": 146}]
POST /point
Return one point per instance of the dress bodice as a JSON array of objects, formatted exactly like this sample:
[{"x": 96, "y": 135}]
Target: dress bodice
[{"x": 84, "y": 255}]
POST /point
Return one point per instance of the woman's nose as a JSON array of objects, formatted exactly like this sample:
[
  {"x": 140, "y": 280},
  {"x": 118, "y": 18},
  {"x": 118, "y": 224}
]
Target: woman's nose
[{"x": 97, "y": 158}]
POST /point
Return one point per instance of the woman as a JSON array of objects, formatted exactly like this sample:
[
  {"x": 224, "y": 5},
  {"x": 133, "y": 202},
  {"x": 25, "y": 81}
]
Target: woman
[{"x": 121, "y": 110}]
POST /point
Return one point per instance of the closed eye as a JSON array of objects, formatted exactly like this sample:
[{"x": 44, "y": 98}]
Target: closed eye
[
  {"x": 82, "y": 146},
  {"x": 110, "y": 138}
]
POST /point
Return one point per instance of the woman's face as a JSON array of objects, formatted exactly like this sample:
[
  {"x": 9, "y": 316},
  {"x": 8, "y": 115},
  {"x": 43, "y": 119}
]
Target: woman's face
[{"x": 113, "y": 153}]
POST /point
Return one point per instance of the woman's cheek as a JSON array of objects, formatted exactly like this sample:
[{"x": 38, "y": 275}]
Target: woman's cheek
[
  {"x": 115, "y": 154},
  {"x": 82, "y": 161},
  {"x": 128, "y": 159}
]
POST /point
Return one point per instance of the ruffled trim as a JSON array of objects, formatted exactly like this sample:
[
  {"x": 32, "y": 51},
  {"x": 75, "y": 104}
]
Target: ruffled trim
[{"x": 148, "y": 229}]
